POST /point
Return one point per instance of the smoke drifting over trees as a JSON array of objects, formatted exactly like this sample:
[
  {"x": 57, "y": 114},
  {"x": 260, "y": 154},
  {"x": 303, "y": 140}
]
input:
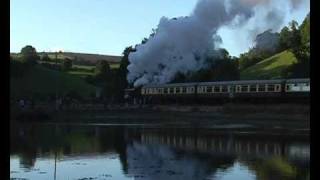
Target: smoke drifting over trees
[{"x": 181, "y": 44}]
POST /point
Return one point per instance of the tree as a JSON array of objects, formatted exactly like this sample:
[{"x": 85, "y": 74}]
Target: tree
[
  {"x": 102, "y": 68},
  {"x": 305, "y": 30},
  {"x": 252, "y": 57},
  {"x": 45, "y": 57},
  {"x": 123, "y": 71},
  {"x": 300, "y": 49},
  {"x": 224, "y": 53},
  {"x": 295, "y": 38},
  {"x": 119, "y": 80},
  {"x": 284, "y": 39},
  {"x": 66, "y": 64},
  {"x": 29, "y": 55},
  {"x": 218, "y": 68},
  {"x": 179, "y": 78}
]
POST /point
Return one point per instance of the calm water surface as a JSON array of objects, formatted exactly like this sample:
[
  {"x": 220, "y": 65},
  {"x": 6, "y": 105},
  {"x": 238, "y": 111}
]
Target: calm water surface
[{"x": 77, "y": 152}]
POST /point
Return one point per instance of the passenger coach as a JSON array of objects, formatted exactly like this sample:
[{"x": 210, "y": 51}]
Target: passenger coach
[{"x": 286, "y": 90}]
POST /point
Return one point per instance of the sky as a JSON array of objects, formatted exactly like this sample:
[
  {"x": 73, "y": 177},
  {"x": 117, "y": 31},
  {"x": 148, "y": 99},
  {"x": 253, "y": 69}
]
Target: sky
[{"x": 99, "y": 26}]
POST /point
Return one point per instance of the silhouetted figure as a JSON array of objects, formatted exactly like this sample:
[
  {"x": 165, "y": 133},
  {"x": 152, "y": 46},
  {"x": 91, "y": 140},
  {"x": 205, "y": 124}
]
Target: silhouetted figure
[{"x": 22, "y": 104}]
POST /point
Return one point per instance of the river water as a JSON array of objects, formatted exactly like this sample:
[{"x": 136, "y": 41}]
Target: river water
[{"x": 74, "y": 152}]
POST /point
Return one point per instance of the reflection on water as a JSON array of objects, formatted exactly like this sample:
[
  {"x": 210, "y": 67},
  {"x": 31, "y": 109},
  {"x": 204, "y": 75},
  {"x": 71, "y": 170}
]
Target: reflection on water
[{"x": 126, "y": 152}]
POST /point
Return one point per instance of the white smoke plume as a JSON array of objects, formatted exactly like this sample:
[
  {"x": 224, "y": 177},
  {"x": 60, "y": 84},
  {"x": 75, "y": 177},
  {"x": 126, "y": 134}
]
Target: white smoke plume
[
  {"x": 180, "y": 44},
  {"x": 268, "y": 14}
]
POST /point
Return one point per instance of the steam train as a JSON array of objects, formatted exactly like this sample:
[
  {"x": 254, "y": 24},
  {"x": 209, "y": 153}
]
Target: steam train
[{"x": 284, "y": 90}]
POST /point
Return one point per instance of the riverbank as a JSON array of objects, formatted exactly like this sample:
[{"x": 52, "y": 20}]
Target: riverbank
[{"x": 280, "y": 116}]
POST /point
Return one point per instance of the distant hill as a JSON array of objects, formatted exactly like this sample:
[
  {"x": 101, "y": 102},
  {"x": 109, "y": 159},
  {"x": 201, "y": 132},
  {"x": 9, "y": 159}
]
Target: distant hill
[
  {"x": 270, "y": 68},
  {"x": 82, "y": 58}
]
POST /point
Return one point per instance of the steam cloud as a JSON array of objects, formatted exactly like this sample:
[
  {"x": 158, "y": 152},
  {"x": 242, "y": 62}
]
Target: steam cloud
[{"x": 180, "y": 44}]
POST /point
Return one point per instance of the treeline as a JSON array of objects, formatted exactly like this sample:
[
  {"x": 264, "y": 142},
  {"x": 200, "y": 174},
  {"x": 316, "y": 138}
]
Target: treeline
[
  {"x": 112, "y": 81},
  {"x": 21, "y": 63},
  {"x": 222, "y": 67}
]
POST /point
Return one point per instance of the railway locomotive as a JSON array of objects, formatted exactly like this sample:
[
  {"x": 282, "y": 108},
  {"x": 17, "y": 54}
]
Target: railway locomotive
[{"x": 283, "y": 90}]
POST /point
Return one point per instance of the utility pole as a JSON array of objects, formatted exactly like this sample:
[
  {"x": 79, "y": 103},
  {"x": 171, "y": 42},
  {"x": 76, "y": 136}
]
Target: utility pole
[
  {"x": 56, "y": 103},
  {"x": 55, "y": 164},
  {"x": 57, "y": 98}
]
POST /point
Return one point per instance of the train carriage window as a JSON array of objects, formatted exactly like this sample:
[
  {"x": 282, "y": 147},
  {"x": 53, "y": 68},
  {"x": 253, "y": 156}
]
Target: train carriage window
[
  {"x": 270, "y": 87},
  {"x": 184, "y": 90},
  {"x": 171, "y": 90},
  {"x": 142, "y": 91},
  {"x": 209, "y": 89},
  {"x": 216, "y": 88},
  {"x": 224, "y": 89},
  {"x": 178, "y": 90},
  {"x": 191, "y": 90},
  {"x": 253, "y": 88},
  {"x": 261, "y": 87},
  {"x": 244, "y": 88},
  {"x": 165, "y": 91},
  {"x": 204, "y": 89},
  {"x": 278, "y": 87},
  {"x": 287, "y": 87}
]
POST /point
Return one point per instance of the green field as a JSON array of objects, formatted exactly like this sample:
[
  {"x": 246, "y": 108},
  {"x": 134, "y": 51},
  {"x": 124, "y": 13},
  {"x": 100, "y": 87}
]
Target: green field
[
  {"x": 82, "y": 70},
  {"x": 87, "y": 57},
  {"x": 270, "y": 68},
  {"x": 40, "y": 81}
]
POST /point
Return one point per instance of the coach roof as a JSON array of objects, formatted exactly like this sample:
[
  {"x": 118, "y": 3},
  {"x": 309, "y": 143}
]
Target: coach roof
[{"x": 214, "y": 83}]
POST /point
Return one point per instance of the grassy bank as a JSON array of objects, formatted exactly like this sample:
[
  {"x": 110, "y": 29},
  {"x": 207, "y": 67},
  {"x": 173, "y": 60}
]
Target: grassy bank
[
  {"x": 270, "y": 68},
  {"x": 42, "y": 82}
]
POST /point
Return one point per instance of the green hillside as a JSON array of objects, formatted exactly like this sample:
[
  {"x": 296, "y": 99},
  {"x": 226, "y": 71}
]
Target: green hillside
[
  {"x": 270, "y": 68},
  {"x": 40, "y": 81}
]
